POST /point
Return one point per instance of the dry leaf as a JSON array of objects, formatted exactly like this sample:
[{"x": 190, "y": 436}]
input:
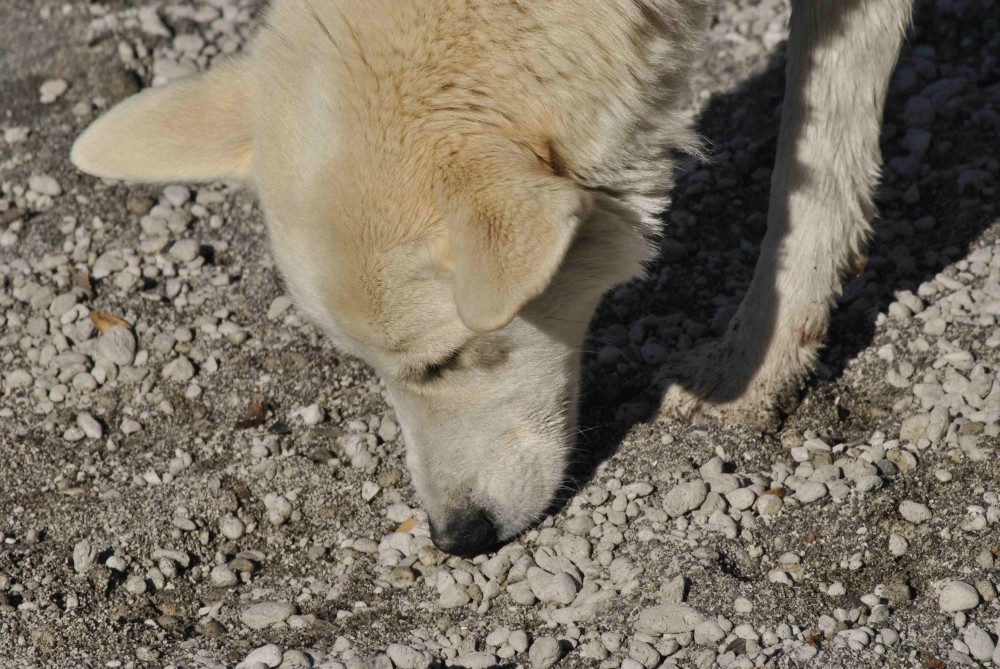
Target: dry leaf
[
  {"x": 407, "y": 525},
  {"x": 104, "y": 322},
  {"x": 82, "y": 279},
  {"x": 777, "y": 492},
  {"x": 934, "y": 662},
  {"x": 811, "y": 537},
  {"x": 12, "y": 215},
  {"x": 256, "y": 415}
]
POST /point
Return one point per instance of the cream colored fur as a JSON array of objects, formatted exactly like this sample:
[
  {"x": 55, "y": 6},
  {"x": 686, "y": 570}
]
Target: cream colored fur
[{"x": 451, "y": 185}]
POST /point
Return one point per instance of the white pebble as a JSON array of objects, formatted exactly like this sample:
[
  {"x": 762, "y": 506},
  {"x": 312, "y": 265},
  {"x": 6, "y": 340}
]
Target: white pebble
[
  {"x": 278, "y": 508},
  {"x": 958, "y": 596},
  {"x": 52, "y": 90},
  {"x": 43, "y": 184},
  {"x": 118, "y": 345},
  {"x": 90, "y": 426},
  {"x": 265, "y": 614},
  {"x": 914, "y": 512},
  {"x": 544, "y": 652},
  {"x": 312, "y": 414},
  {"x": 269, "y": 656}
]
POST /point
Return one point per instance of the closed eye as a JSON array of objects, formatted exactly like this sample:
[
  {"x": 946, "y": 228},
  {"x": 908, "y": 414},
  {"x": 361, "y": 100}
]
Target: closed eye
[
  {"x": 436, "y": 370},
  {"x": 433, "y": 371}
]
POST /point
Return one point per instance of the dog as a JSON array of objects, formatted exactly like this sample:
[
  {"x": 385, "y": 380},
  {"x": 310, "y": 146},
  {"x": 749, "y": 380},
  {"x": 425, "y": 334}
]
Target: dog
[{"x": 450, "y": 186}]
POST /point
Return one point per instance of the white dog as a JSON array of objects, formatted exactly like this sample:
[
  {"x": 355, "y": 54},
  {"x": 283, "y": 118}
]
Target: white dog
[{"x": 451, "y": 185}]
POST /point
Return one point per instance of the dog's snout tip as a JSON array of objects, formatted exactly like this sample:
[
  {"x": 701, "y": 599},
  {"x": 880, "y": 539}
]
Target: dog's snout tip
[{"x": 466, "y": 534}]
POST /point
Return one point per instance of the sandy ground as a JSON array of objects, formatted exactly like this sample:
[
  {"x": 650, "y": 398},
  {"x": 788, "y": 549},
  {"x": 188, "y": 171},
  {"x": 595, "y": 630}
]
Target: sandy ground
[{"x": 141, "y": 525}]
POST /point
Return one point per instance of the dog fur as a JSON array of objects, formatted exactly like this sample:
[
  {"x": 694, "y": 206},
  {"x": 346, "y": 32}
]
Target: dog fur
[{"x": 451, "y": 185}]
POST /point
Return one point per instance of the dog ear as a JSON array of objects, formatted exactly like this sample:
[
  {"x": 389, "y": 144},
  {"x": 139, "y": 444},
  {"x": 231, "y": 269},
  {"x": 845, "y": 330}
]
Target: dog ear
[
  {"x": 196, "y": 129},
  {"x": 510, "y": 221}
]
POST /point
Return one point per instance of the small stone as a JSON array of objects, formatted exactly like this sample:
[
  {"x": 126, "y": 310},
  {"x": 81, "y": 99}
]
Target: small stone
[
  {"x": 180, "y": 370},
  {"x": 312, "y": 414},
  {"x": 177, "y": 195},
  {"x": 898, "y": 545},
  {"x": 405, "y": 657},
  {"x": 811, "y": 491},
  {"x": 294, "y": 659},
  {"x": 958, "y": 596},
  {"x": 869, "y": 483},
  {"x": 518, "y": 640},
  {"x": 264, "y": 614},
  {"x": 742, "y": 605},
  {"x": 685, "y": 497},
  {"x": 278, "y": 307},
  {"x": 559, "y": 588},
  {"x": 116, "y": 563},
  {"x": 185, "y": 250},
  {"x": 231, "y": 527},
  {"x": 474, "y": 661},
  {"x": 118, "y": 345},
  {"x": 708, "y": 633},
  {"x": 741, "y": 499},
  {"x": 19, "y": 378},
  {"x": 43, "y": 184},
  {"x": 979, "y": 642},
  {"x": 453, "y": 597},
  {"x": 130, "y": 426},
  {"x": 151, "y": 24},
  {"x": 52, "y": 90},
  {"x": 90, "y": 426},
  {"x": 402, "y": 577},
  {"x": 15, "y": 135},
  {"x": 914, "y": 512},
  {"x": 644, "y": 653},
  {"x": 712, "y": 468},
  {"x": 768, "y": 505},
  {"x": 135, "y": 584},
  {"x": 369, "y": 489},
  {"x": 223, "y": 576},
  {"x": 545, "y": 652},
  {"x": 672, "y": 592},
  {"x": 84, "y": 556},
  {"x": 668, "y": 619},
  {"x": 278, "y": 508},
  {"x": 269, "y": 656}
]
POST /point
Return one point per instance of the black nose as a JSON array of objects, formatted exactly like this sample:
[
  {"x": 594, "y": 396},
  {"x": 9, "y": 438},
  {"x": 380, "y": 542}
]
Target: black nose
[{"x": 467, "y": 533}]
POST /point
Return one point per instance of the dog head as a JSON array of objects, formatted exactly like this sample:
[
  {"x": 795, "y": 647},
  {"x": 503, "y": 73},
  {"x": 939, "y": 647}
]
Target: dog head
[{"x": 454, "y": 258}]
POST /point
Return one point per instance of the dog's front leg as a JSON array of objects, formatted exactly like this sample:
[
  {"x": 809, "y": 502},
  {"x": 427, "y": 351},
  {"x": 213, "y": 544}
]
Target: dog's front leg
[{"x": 841, "y": 54}]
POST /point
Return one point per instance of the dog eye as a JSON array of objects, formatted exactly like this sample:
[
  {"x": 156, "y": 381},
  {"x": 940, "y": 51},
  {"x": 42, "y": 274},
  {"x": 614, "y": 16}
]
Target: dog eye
[{"x": 436, "y": 370}]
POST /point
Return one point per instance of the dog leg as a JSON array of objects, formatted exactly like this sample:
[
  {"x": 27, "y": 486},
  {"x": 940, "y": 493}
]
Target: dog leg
[{"x": 841, "y": 54}]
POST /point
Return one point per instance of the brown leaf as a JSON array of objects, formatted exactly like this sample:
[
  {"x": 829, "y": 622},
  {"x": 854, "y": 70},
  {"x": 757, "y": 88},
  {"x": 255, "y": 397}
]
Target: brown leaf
[
  {"x": 407, "y": 525},
  {"x": 82, "y": 279},
  {"x": 811, "y": 537},
  {"x": 255, "y": 416},
  {"x": 934, "y": 662},
  {"x": 12, "y": 215},
  {"x": 814, "y": 638},
  {"x": 104, "y": 322},
  {"x": 778, "y": 492}
]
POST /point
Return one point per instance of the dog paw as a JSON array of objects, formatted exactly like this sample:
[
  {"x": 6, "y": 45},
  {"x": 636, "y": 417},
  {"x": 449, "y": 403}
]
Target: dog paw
[
  {"x": 754, "y": 383},
  {"x": 756, "y": 411}
]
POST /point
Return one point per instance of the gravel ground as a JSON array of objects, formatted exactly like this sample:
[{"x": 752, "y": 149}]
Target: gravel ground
[{"x": 192, "y": 477}]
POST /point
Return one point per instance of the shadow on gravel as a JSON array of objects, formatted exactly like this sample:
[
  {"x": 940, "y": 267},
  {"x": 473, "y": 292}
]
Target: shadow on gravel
[{"x": 709, "y": 264}]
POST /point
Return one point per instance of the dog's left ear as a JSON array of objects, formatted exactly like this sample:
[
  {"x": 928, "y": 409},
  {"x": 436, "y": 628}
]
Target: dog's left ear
[
  {"x": 196, "y": 129},
  {"x": 510, "y": 221}
]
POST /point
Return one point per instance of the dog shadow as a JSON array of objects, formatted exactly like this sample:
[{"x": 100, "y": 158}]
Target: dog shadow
[{"x": 708, "y": 264}]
